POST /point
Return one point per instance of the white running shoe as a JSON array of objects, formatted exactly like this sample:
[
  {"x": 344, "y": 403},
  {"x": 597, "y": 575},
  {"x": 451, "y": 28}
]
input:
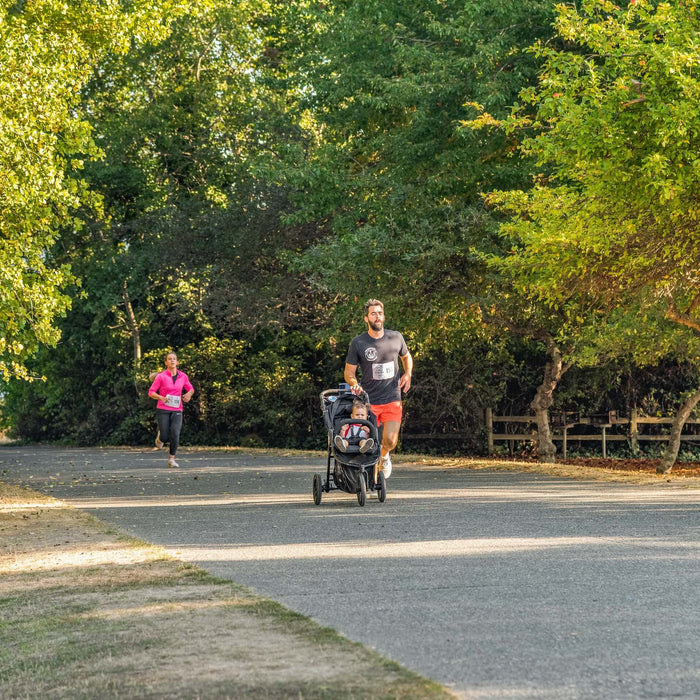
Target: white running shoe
[
  {"x": 159, "y": 442},
  {"x": 385, "y": 466},
  {"x": 172, "y": 462}
]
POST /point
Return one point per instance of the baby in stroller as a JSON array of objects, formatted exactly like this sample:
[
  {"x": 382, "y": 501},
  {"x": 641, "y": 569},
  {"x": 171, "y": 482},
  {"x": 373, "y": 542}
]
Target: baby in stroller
[{"x": 355, "y": 433}]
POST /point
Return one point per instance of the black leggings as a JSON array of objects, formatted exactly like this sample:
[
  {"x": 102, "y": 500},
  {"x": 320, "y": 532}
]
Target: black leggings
[{"x": 170, "y": 425}]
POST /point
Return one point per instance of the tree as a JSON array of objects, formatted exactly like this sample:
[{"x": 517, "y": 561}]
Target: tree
[
  {"x": 392, "y": 179},
  {"x": 187, "y": 250},
  {"x": 48, "y": 50},
  {"x": 613, "y": 222},
  {"x": 193, "y": 226}
]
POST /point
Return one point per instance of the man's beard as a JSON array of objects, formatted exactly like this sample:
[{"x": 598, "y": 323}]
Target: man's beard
[{"x": 377, "y": 326}]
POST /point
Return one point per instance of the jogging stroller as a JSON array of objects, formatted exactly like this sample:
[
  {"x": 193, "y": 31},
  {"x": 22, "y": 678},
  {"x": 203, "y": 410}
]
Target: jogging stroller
[{"x": 351, "y": 471}]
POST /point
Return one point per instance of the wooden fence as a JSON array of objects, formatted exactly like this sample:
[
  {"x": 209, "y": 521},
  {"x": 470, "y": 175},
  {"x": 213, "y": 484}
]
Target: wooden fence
[
  {"x": 563, "y": 423},
  {"x": 561, "y": 426}
]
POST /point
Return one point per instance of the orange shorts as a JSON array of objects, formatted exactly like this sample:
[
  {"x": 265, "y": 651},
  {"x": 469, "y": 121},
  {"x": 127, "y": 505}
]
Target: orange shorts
[{"x": 388, "y": 412}]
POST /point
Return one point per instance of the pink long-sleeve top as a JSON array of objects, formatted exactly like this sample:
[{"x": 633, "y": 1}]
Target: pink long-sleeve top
[{"x": 172, "y": 388}]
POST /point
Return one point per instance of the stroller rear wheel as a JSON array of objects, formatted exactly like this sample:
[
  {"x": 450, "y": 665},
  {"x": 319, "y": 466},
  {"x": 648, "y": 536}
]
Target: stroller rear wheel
[
  {"x": 318, "y": 489},
  {"x": 362, "y": 493}
]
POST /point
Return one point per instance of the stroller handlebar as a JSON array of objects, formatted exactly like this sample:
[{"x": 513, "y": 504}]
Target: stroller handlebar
[{"x": 327, "y": 394}]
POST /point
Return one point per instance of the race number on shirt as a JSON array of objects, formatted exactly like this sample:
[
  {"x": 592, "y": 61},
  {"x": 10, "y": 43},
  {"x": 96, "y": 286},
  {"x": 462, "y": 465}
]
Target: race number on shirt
[
  {"x": 172, "y": 401},
  {"x": 383, "y": 370}
]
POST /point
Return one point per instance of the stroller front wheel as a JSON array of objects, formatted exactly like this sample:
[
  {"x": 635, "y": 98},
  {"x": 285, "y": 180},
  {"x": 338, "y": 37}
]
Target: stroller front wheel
[
  {"x": 318, "y": 489},
  {"x": 362, "y": 493}
]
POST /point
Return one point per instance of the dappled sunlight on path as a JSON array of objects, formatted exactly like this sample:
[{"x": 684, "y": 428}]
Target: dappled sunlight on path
[{"x": 372, "y": 549}]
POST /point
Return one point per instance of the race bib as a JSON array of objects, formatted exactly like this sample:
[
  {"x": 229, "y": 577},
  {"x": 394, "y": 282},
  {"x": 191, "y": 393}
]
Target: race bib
[
  {"x": 172, "y": 401},
  {"x": 383, "y": 370}
]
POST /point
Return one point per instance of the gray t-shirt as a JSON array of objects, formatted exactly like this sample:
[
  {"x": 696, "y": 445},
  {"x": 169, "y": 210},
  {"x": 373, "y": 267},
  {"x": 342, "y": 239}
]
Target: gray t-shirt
[{"x": 378, "y": 359}]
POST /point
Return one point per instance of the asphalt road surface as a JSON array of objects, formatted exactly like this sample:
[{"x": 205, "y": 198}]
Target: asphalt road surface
[{"x": 495, "y": 584}]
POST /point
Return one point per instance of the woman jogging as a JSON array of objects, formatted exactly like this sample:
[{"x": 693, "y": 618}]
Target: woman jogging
[{"x": 167, "y": 389}]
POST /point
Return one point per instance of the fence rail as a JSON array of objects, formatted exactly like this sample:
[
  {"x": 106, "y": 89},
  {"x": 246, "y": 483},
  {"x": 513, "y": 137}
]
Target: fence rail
[
  {"x": 561, "y": 426},
  {"x": 562, "y": 423}
]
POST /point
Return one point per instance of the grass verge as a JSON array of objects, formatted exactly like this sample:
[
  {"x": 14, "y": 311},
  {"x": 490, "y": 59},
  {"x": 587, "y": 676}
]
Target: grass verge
[{"x": 88, "y": 613}]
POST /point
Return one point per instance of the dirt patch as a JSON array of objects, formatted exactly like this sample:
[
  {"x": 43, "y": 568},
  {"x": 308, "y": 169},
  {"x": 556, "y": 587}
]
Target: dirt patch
[
  {"x": 680, "y": 470},
  {"x": 89, "y": 613},
  {"x": 634, "y": 471}
]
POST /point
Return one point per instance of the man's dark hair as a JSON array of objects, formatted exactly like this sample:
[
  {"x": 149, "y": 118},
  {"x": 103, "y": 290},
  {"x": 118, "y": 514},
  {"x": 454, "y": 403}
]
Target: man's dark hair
[{"x": 372, "y": 302}]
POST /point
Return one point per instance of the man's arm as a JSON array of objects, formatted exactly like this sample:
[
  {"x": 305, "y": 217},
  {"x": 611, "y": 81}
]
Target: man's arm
[
  {"x": 351, "y": 377},
  {"x": 405, "y": 380}
]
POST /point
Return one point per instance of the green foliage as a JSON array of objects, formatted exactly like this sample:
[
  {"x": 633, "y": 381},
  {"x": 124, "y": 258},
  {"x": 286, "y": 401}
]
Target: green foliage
[
  {"x": 450, "y": 392},
  {"x": 612, "y": 233},
  {"x": 193, "y": 229},
  {"x": 88, "y": 393},
  {"x": 37, "y": 179},
  {"x": 240, "y": 393},
  {"x": 48, "y": 50},
  {"x": 393, "y": 179},
  {"x": 187, "y": 249},
  {"x": 233, "y": 180}
]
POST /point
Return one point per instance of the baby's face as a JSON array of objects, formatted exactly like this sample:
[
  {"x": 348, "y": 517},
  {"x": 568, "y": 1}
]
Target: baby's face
[{"x": 359, "y": 413}]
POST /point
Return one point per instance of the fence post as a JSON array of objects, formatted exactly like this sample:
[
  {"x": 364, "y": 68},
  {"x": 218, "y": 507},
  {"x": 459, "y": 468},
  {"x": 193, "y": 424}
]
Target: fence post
[
  {"x": 488, "y": 417},
  {"x": 605, "y": 452},
  {"x": 563, "y": 442}
]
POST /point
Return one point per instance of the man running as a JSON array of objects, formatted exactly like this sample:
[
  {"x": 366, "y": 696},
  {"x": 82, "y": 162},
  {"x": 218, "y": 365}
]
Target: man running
[{"x": 377, "y": 353}]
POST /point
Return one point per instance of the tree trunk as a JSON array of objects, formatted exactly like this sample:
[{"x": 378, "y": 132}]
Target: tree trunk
[
  {"x": 674, "y": 440},
  {"x": 553, "y": 372},
  {"x": 634, "y": 432},
  {"x": 133, "y": 325}
]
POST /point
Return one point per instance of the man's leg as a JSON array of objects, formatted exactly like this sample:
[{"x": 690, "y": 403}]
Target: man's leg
[
  {"x": 390, "y": 437},
  {"x": 389, "y": 419},
  {"x": 389, "y": 440}
]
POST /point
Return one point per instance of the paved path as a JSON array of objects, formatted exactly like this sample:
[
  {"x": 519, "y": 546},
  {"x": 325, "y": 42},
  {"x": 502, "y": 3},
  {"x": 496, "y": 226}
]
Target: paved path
[{"x": 496, "y": 584}]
